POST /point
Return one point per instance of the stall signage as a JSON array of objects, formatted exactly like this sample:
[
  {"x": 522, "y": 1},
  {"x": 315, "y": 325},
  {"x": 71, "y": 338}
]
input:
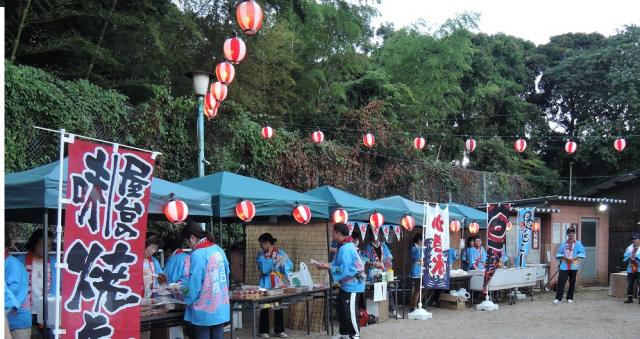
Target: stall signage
[
  {"x": 436, "y": 273},
  {"x": 105, "y": 228},
  {"x": 497, "y": 219},
  {"x": 525, "y": 225}
]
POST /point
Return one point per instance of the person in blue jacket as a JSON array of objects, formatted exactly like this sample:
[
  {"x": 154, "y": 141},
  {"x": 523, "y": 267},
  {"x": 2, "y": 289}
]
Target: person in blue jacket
[
  {"x": 416, "y": 268},
  {"x": 632, "y": 257},
  {"x": 274, "y": 266},
  {"x": 569, "y": 254},
  {"x": 177, "y": 266},
  {"x": 152, "y": 274},
  {"x": 477, "y": 255},
  {"x": 348, "y": 270},
  {"x": 16, "y": 286},
  {"x": 207, "y": 288},
  {"x": 464, "y": 253}
]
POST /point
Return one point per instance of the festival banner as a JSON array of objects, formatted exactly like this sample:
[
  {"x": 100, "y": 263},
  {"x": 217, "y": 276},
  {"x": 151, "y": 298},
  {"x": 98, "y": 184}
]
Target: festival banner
[
  {"x": 526, "y": 219},
  {"x": 385, "y": 231},
  {"x": 397, "y": 231},
  {"x": 105, "y": 229},
  {"x": 350, "y": 225},
  {"x": 497, "y": 219},
  {"x": 436, "y": 273},
  {"x": 363, "y": 230}
]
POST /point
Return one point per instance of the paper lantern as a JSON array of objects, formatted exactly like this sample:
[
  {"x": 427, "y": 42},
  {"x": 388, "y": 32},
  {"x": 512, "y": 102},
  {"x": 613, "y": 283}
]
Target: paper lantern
[
  {"x": 570, "y": 147},
  {"x": 509, "y": 226},
  {"x": 176, "y": 211},
  {"x": 211, "y": 112},
  {"x": 520, "y": 145},
  {"x": 245, "y": 210},
  {"x": 219, "y": 90},
  {"x": 225, "y": 72},
  {"x": 234, "y": 50},
  {"x": 249, "y": 16},
  {"x": 620, "y": 144},
  {"x": 408, "y": 222},
  {"x": 368, "y": 140},
  {"x": 268, "y": 132},
  {"x": 340, "y": 216},
  {"x": 376, "y": 219},
  {"x": 535, "y": 227},
  {"x": 454, "y": 226},
  {"x": 470, "y": 145},
  {"x": 317, "y": 137},
  {"x": 474, "y": 228},
  {"x": 302, "y": 214},
  {"x": 419, "y": 143}
]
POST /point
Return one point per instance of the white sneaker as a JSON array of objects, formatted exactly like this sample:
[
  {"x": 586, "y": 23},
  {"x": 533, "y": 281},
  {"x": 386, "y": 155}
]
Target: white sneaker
[
  {"x": 570, "y": 301},
  {"x": 264, "y": 335},
  {"x": 556, "y": 301}
]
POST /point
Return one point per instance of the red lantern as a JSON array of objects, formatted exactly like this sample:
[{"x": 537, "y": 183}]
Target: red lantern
[
  {"x": 340, "y": 216},
  {"x": 211, "y": 112},
  {"x": 249, "y": 16},
  {"x": 419, "y": 143},
  {"x": 474, "y": 228},
  {"x": 408, "y": 222},
  {"x": 535, "y": 227},
  {"x": 454, "y": 226},
  {"x": 520, "y": 145},
  {"x": 268, "y": 132},
  {"x": 245, "y": 210},
  {"x": 368, "y": 140},
  {"x": 470, "y": 145},
  {"x": 509, "y": 226},
  {"x": 235, "y": 50},
  {"x": 176, "y": 211},
  {"x": 302, "y": 214},
  {"x": 376, "y": 219},
  {"x": 225, "y": 72},
  {"x": 570, "y": 147},
  {"x": 219, "y": 90},
  {"x": 620, "y": 144},
  {"x": 317, "y": 137}
]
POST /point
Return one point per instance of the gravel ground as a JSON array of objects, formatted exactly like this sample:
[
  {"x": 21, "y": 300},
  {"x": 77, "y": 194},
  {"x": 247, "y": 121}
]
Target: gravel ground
[{"x": 593, "y": 315}]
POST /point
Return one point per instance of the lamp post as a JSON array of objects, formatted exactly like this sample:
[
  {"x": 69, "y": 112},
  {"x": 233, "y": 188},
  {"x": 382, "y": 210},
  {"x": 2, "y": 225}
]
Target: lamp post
[{"x": 200, "y": 87}]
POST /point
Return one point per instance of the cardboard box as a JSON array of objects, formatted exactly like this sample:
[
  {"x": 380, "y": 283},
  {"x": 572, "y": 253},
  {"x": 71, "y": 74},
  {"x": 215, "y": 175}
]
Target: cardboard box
[
  {"x": 380, "y": 309},
  {"x": 451, "y": 302}
]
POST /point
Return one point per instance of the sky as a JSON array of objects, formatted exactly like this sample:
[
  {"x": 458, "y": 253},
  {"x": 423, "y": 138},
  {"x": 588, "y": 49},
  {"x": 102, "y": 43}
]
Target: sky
[{"x": 532, "y": 20}]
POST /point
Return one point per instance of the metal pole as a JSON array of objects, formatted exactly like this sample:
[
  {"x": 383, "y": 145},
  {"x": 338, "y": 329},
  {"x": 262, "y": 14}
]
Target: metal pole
[
  {"x": 220, "y": 232},
  {"x": 45, "y": 263},
  {"x": 404, "y": 271},
  {"x": 59, "y": 234},
  {"x": 570, "y": 176},
  {"x": 484, "y": 187},
  {"x": 200, "y": 136}
]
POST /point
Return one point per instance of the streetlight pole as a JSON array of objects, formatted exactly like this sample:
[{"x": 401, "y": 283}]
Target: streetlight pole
[{"x": 200, "y": 87}]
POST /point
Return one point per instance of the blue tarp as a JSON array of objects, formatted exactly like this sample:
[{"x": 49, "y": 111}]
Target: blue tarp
[
  {"x": 470, "y": 214},
  {"x": 358, "y": 208},
  {"x": 38, "y": 189},
  {"x": 228, "y": 189},
  {"x": 416, "y": 210}
]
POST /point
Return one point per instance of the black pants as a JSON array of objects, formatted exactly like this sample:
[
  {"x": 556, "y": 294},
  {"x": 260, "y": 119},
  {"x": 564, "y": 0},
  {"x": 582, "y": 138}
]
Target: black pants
[
  {"x": 278, "y": 319},
  {"x": 562, "y": 280},
  {"x": 347, "y": 311},
  {"x": 631, "y": 278}
]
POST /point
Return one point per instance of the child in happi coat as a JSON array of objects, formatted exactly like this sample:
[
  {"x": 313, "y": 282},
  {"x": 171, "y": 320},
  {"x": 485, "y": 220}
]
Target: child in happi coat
[
  {"x": 207, "y": 287},
  {"x": 569, "y": 253},
  {"x": 632, "y": 257},
  {"x": 17, "y": 306}
]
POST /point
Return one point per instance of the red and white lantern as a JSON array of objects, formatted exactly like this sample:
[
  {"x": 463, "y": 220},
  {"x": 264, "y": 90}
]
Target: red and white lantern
[
  {"x": 211, "y": 112},
  {"x": 474, "y": 228},
  {"x": 454, "y": 226},
  {"x": 219, "y": 90},
  {"x": 408, "y": 222},
  {"x": 176, "y": 211},
  {"x": 570, "y": 147},
  {"x": 376, "y": 219},
  {"x": 245, "y": 210},
  {"x": 249, "y": 16},
  {"x": 302, "y": 214},
  {"x": 340, "y": 216},
  {"x": 268, "y": 132},
  {"x": 470, "y": 145},
  {"x": 620, "y": 144},
  {"x": 419, "y": 143},
  {"x": 509, "y": 226},
  {"x": 535, "y": 227},
  {"x": 520, "y": 145},
  {"x": 317, "y": 137},
  {"x": 225, "y": 72},
  {"x": 234, "y": 50},
  {"x": 368, "y": 140}
]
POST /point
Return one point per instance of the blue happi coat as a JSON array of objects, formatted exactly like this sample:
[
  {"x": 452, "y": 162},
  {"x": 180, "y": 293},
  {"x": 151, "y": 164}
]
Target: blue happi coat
[
  {"x": 416, "y": 256},
  {"x": 453, "y": 256},
  {"x": 346, "y": 267},
  {"x": 477, "y": 258},
  {"x": 157, "y": 268},
  {"x": 207, "y": 293},
  {"x": 177, "y": 267},
  {"x": 578, "y": 254},
  {"x": 369, "y": 255},
  {"x": 627, "y": 258},
  {"x": 16, "y": 289},
  {"x": 51, "y": 268},
  {"x": 268, "y": 265}
]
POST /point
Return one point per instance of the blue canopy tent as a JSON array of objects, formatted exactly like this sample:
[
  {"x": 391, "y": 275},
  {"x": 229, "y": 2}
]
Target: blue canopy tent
[
  {"x": 415, "y": 209},
  {"x": 470, "y": 214}
]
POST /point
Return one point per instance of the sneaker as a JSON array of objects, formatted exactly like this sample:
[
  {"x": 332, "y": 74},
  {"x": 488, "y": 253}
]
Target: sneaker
[
  {"x": 282, "y": 335},
  {"x": 629, "y": 301},
  {"x": 556, "y": 301},
  {"x": 570, "y": 301},
  {"x": 264, "y": 335}
]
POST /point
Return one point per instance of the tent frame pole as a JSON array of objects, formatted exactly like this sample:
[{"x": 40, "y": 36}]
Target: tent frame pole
[{"x": 45, "y": 264}]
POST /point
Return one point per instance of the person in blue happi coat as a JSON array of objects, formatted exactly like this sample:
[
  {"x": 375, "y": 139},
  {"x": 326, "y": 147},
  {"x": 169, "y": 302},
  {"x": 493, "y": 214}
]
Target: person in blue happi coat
[
  {"x": 464, "y": 253},
  {"x": 207, "y": 288},
  {"x": 570, "y": 253},
  {"x": 632, "y": 258},
  {"x": 16, "y": 287},
  {"x": 274, "y": 266},
  {"x": 416, "y": 268},
  {"x": 477, "y": 255},
  {"x": 177, "y": 266}
]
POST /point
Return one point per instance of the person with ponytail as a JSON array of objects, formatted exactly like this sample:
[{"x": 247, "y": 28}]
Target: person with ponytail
[{"x": 207, "y": 287}]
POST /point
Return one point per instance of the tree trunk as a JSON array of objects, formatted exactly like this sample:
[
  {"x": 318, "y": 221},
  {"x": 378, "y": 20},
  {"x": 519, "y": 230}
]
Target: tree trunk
[
  {"x": 102, "y": 33},
  {"x": 16, "y": 42}
]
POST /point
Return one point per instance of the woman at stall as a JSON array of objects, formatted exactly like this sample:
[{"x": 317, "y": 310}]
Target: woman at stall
[
  {"x": 378, "y": 258},
  {"x": 477, "y": 256},
  {"x": 177, "y": 266},
  {"x": 274, "y": 266},
  {"x": 207, "y": 289},
  {"x": 464, "y": 253},
  {"x": 416, "y": 269},
  {"x": 152, "y": 274},
  {"x": 17, "y": 306}
]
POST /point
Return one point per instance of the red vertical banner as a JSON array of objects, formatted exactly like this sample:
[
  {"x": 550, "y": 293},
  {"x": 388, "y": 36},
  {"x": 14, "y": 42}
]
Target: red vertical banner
[{"x": 105, "y": 229}]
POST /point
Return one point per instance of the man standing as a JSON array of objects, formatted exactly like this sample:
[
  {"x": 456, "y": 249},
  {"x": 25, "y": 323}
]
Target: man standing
[
  {"x": 347, "y": 269},
  {"x": 569, "y": 254},
  {"x": 632, "y": 256},
  {"x": 477, "y": 256}
]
